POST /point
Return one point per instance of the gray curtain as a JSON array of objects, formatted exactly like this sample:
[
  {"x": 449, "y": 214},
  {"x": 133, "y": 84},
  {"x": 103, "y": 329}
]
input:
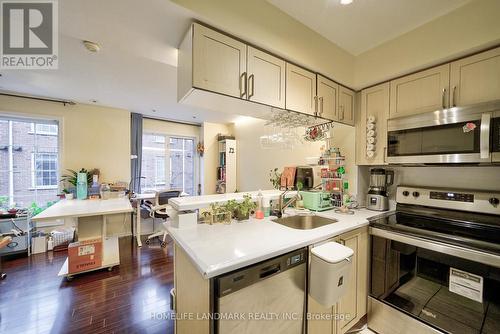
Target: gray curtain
[{"x": 135, "y": 152}]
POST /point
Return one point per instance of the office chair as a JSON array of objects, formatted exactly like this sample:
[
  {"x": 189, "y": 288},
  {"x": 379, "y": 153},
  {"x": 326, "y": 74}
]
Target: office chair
[{"x": 158, "y": 209}]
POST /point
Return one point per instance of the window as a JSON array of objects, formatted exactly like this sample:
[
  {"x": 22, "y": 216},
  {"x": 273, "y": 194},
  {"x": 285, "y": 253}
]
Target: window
[
  {"x": 159, "y": 139},
  {"x": 45, "y": 129},
  {"x": 168, "y": 162},
  {"x": 160, "y": 171},
  {"x": 29, "y": 161},
  {"x": 44, "y": 170}
]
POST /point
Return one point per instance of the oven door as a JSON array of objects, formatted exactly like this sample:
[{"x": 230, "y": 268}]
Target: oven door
[
  {"x": 455, "y": 135},
  {"x": 445, "y": 287},
  {"x": 495, "y": 135}
]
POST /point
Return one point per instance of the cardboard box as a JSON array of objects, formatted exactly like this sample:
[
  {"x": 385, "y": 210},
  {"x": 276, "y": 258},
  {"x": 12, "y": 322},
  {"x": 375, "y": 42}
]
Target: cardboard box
[{"x": 84, "y": 255}]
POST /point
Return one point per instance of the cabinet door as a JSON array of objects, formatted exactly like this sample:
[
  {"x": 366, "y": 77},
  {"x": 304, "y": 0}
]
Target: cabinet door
[
  {"x": 266, "y": 78},
  {"x": 374, "y": 102},
  {"x": 219, "y": 62},
  {"x": 328, "y": 92},
  {"x": 475, "y": 79},
  {"x": 300, "y": 90},
  {"x": 346, "y": 105},
  {"x": 420, "y": 92}
]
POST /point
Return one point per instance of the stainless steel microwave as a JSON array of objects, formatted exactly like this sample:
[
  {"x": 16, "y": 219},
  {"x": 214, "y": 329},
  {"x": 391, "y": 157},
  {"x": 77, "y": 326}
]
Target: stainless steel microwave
[{"x": 467, "y": 134}]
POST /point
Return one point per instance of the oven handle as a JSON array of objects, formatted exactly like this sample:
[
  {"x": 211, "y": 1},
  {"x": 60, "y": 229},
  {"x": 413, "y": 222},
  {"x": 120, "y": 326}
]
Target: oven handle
[
  {"x": 457, "y": 251},
  {"x": 484, "y": 143}
]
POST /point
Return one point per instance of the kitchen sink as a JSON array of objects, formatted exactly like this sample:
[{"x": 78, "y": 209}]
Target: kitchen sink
[{"x": 304, "y": 222}]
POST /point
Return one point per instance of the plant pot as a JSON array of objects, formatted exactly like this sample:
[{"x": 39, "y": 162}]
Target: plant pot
[
  {"x": 223, "y": 217},
  {"x": 240, "y": 216},
  {"x": 69, "y": 196}
]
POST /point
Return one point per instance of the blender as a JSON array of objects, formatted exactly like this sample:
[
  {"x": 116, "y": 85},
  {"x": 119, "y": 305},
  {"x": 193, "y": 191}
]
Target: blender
[{"x": 377, "y": 198}]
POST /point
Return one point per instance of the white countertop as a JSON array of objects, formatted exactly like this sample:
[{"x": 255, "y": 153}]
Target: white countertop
[
  {"x": 218, "y": 249},
  {"x": 85, "y": 208},
  {"x": 198, "y": 202}
]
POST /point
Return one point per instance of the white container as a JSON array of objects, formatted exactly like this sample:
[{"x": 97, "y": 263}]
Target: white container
[
  {"x": 183, "y": 219},
  {"x": 38, "y": 245},
  {"x": 331, "y": 266}
]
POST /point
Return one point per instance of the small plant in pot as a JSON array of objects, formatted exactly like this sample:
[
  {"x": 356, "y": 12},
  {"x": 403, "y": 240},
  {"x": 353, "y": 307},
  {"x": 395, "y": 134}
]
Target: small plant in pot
[
  {"x": 245, "y": 208},
  {"x": 220, "y": 214}
]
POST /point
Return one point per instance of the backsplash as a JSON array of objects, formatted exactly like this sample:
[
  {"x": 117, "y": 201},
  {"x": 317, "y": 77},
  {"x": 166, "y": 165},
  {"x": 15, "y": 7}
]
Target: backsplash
[{"x": 478, "y": 178}]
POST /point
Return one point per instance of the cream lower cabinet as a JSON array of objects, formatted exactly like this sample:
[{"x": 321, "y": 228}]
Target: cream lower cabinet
[
  {"x": 300, "y": 90},
  {"x": 266, "y": 78},
  {"x": 339, "y": 318},
  {"x": 420, "y": 92},
  {"x": 374, "y": 102},
  {"x": 328, "y": 95},
  {"x": 219, "y": 62},
  {"x": 475, "y": 79},
  {"x": 346, "y": 106}
]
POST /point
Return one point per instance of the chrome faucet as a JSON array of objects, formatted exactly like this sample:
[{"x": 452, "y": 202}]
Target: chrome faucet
[{"x": 283, "y": 204}]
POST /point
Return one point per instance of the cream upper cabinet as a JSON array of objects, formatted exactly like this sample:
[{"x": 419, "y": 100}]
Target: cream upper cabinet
[
  {"x": 219, "y": 62},
  {"x": 300, "y": 90},
  {"x": 420, "y": 92},
  {"x": 374, "y": 102},
  {"x": 328, "y": 95},
  {"x": 475, "y": 79},
  {"x": 346, "y": 106},
  {"x": 266, "y": 78}
]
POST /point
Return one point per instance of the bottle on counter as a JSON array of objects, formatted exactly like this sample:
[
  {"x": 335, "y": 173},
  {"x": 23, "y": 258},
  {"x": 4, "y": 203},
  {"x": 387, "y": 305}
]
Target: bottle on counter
[
  {"x": 81, "y": 185},
  {"x": 266, "y": 206},
  {"x": 259, "y": 213}
]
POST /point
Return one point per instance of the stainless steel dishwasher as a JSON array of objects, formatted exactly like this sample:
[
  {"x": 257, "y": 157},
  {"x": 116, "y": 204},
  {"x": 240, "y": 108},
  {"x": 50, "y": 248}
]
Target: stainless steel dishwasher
[{"x": 268, "y": 297}]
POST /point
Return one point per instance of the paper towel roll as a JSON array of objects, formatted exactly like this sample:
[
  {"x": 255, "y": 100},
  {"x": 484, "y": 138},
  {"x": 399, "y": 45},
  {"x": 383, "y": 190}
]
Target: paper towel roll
[
  {"x": 370, "y": 140},
  {"x": 370, "y": 126},
  {"x": 370, "y": 147},
  {"x": 370, "y": 154},
  {"x": 370, "y": 133},
  {"x": 371, "y": 119}
]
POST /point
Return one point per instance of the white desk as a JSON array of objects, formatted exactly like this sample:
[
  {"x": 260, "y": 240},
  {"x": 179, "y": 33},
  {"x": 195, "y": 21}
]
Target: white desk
[
  {"x": 138, "y": 198},
  {"x": 89, "y": 208}
]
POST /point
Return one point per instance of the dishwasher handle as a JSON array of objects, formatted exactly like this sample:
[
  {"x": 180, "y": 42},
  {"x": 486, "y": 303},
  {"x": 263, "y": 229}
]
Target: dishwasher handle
[{"x": 270, "y": 270}]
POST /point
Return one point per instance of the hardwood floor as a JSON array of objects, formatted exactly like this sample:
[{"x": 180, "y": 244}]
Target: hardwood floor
[{"x": 133, "y": 298}]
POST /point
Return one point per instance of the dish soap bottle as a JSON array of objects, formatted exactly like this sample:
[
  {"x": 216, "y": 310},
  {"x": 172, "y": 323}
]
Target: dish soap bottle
[
  {"x": 81, "y": 185},
  {"x": 259, "y": 214}
]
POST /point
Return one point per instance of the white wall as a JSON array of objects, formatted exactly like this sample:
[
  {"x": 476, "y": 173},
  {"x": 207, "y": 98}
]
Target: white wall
[{"x": 255, "y": 162}]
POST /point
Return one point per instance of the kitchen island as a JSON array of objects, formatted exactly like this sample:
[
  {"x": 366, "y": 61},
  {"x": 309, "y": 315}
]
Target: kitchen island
[{"x": 203, "y": 252}]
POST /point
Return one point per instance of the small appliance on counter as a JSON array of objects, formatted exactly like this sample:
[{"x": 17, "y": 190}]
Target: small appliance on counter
[
  {"x": 377, "y": 199},
  {"x": 317, "y": 200}
]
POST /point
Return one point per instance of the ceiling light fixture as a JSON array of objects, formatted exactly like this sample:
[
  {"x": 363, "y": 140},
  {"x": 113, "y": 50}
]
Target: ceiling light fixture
[
  {"x": 92, "y": 46},
  {"x": 346, "y": 2}
]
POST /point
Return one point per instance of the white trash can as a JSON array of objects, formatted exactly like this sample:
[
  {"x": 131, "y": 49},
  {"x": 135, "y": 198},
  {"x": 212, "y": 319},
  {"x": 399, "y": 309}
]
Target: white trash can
[{"x": 330, "y": 271}]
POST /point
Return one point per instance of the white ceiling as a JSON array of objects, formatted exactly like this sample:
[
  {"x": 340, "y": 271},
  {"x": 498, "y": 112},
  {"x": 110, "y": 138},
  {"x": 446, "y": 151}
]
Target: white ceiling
[
  {"x": 136, "y": 68},
  {"x": 365, "y": 24}
]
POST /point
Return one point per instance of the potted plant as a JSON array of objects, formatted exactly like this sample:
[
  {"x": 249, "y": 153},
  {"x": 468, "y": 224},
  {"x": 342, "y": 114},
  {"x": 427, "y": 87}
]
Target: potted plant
[
  {"x": 245, "y": 207},
  {"x": 232, "y": 206},
  {"x": 275, "y": 178},
  {"x": 220, "y": 214}
]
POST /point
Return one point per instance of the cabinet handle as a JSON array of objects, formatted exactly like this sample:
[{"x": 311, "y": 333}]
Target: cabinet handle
[
  {"x": 385, "y": 154},
  {"x": 321, "y": 106},
  {"x": 251, "y": 79},
  {"x": 341, "y": 113},
  {"x": 443, "y": 98},
  {"x": 454, "y": 103},
  {"x": 316, "y": 105},
  {"x": 243, "y": 84}
]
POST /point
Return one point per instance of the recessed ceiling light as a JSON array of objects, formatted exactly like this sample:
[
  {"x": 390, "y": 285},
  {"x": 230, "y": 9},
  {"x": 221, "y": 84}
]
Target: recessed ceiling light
[
  {"x": 153, "y": 110},
  {"x": 194, "y": 117},
  {"x": 92, "y": 46},
  {"x": 345, "y": 2}
]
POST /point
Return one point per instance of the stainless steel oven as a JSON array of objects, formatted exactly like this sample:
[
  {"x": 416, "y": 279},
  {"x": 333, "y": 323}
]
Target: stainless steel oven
[
  {"x": 495, "y": 137},
  {"x": 436, "y": 269},
  {"x": 454, "y": 135}
]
